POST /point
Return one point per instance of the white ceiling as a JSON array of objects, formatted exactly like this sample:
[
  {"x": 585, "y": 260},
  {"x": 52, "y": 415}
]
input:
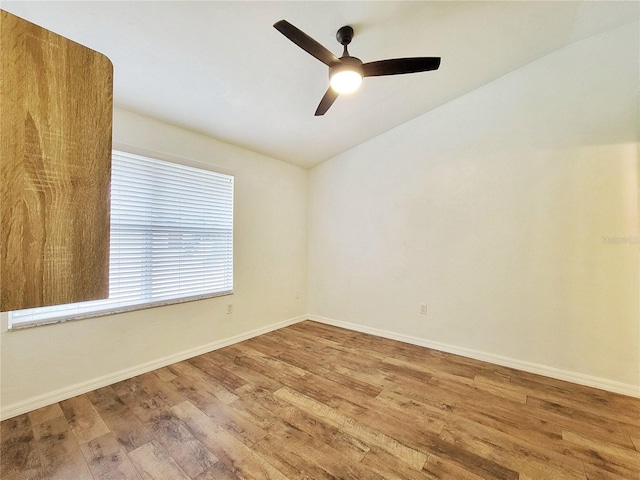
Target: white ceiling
[{"x": 221, "y": 69}]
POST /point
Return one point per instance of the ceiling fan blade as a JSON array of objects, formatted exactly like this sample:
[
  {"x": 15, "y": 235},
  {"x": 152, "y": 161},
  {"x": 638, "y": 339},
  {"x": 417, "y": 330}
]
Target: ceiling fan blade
[
  {"x": 326, "y": 102},
  {"x": 396, "y": 66},
  {"x": 306, "y": 43}
]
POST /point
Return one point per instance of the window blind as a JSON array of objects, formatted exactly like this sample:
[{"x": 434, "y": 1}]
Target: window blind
[{"x": 171, "y": 239}]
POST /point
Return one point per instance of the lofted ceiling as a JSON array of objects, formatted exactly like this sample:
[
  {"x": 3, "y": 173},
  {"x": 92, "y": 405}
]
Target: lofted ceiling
[{"x": 221, "y": 69}]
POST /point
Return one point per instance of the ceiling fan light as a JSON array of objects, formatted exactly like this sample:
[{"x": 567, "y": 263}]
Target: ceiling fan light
[{"x": 345, "y": 81}]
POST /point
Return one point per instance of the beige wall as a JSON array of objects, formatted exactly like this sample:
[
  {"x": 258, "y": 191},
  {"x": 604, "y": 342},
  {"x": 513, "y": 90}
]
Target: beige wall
[
  {"x": 492, "y": 210},
  {"x": 270, "y": 242}
]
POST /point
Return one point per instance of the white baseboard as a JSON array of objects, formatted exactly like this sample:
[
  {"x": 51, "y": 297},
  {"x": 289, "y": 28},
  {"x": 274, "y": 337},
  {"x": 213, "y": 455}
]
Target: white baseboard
[
  {"x": 55, "y": 396},
  {"x": 574, "y": 377}
]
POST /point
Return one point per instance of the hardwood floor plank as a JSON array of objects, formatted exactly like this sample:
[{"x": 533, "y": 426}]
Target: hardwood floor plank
[
  {"x": 164, "y": 374},
  {"x": 324, "y": 332},
  {"x": 512, "y": 423},
  {"x": 409, "y": 407},
  {"x": 352, "y": 448},
  {"x": 370, "y": 436},
  {"x": 315, "y": 381},
  {"x": 45, "y": 414},
  {"x": 267, "y": 345},
  {"x": 551, "y": 386},
  {"x": 107, "y": 460},
  {"x": 567, "y": 403},
  {"x": 545, "y": 424},
  {"x": 610, "y": 453},
  {"x": 594, "y": 402},
  {"x": 438, "y": 467},
  {"x": 187, "y": 451},
  {"x": 390, "y": 467},
  {"x": 374, "y": 376},
  {"x": 146, "y": 406},
  {"x": 309, "y": 362},
  {"x": 225, "y": 446},
  {"x": 219, "y": 471},
  {"x": 329, "y": 460},
  {"x": 292, "y": 340},
  {"x": 581, "y": 421},
  {"x": 353, "y": 352},
  {"x": 595, "y": 473},
  {"x": 289, "y": 461},
  {"x": 271, "y": 362},
  {"x": 152, "y": 384},
  {"x": 315, "y": 402},
  {"x": 279, "y": 378},
  {"x": 220, "y": 413},
  {"x": 84, "y": 420},
  {"x": 213, "y": 386},
  {"x": 419, "y": 434},
  {"x": 379, "y": 346},
  {"x": 225, "y": 377},
  {"x": 621, "y": 403},
  {"x": 19, "y": 458},
  {"x": 60, "y": 454},
  {"x": 127, "y": 428},
  {"x": 259, "y": 407},
  {"x": 426, "y": 393},
  {"x": 153, "y": 462},
  {"x": 499, "y": 448},
  {"x": 238, "y": 366},
  {"x": 128, "y": 386},
  {"x": 476, "y": 393},
  {"x": 498, "y": 390},
  {"x": 265, "y": 420}
]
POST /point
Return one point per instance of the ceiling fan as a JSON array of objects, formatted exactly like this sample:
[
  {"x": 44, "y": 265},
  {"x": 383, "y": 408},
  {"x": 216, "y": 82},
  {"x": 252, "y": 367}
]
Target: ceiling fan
[{"x": 346, "y": 72}]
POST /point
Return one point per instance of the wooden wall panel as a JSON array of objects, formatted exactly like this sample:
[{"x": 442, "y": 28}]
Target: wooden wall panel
[{"x": 56, "y": 107}]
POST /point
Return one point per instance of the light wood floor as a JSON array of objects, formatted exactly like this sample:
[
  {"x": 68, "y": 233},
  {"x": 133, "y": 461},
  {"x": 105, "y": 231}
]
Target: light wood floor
[{"x": 317, "y": 402}]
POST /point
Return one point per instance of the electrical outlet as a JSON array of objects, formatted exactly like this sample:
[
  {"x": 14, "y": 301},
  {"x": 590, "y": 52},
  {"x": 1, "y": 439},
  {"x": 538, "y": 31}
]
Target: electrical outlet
[
  {"x": 298, "y": 295},
  {"x": 229, "y": 308},
  {"x": 423, "y": 308}
]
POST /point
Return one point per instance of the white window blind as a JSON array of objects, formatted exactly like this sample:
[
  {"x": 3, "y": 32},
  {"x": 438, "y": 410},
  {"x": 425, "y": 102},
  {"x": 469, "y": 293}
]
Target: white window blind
[{"x": 171, "y": 239}]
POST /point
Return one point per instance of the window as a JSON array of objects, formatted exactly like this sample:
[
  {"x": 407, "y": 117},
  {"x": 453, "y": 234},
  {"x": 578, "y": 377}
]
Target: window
[{"x": 171, "y": 240}]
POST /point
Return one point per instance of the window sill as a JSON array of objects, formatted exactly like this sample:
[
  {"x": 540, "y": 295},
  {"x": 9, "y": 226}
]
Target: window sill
[{"x": 112, "y": 311}]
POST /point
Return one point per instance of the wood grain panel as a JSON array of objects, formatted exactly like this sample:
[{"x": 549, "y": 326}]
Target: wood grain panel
[{"x": 55, "y": 168}]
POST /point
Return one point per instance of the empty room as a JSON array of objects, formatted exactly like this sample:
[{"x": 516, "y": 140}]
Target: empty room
[{"x": 319, "y": 240}]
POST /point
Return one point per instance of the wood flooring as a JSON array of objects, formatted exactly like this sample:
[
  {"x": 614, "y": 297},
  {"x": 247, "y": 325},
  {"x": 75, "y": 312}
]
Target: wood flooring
[{"x": 312, "y": 401}]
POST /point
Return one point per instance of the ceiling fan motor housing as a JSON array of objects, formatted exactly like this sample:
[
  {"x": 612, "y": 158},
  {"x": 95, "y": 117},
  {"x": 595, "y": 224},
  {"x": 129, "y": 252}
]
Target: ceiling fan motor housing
[{"x": 347, "y": 63}]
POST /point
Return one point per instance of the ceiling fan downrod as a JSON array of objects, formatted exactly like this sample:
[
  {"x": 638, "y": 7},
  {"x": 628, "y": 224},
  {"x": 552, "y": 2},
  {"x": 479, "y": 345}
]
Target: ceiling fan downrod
[{"x": 344, "y": 35}]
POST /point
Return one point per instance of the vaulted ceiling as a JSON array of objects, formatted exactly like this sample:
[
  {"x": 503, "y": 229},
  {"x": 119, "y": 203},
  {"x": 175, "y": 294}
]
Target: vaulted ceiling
[{"x": 221, "y": 69}]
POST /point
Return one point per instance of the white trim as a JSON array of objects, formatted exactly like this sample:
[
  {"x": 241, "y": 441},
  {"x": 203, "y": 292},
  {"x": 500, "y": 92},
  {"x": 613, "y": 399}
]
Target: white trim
[
  {"x": 50, "y": 398},
  {"x": 145, "y": 152},
  {"x": 557, "y": 373}
]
